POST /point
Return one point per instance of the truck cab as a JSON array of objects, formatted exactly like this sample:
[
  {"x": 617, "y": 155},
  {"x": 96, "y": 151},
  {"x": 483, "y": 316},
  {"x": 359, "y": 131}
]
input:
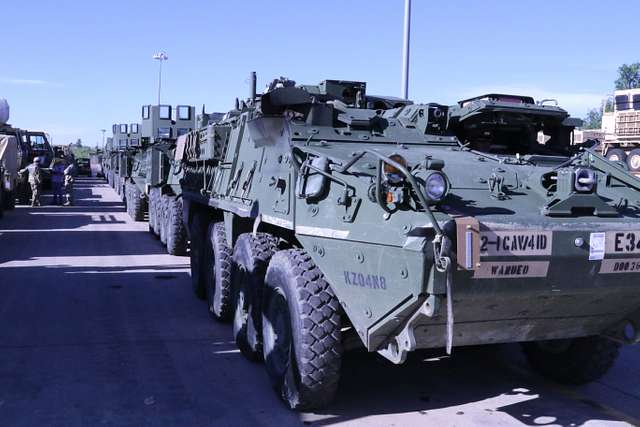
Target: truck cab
[{"x": 622, "y": 129}]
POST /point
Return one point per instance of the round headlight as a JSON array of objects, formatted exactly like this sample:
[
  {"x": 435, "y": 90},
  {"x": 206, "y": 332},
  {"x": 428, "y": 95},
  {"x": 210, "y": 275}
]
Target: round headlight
[{"x": 435, "y": 186}]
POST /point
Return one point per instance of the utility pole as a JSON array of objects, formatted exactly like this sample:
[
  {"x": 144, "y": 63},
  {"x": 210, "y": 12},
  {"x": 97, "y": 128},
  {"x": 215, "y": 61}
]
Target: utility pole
[
  {"x": 405, "y": 49},
  {"x": 160, "y": 57}
]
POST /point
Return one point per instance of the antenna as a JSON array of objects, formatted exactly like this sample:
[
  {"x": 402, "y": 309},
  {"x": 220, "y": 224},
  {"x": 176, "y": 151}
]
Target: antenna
[{"x": 405, "y": 49}]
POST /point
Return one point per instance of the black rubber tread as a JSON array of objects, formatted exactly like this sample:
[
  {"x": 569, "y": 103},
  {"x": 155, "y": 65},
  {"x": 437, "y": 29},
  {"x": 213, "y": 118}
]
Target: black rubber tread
[
  {"x": 162, "y": 218},
  {"x": 622, "y": 155},
  {"x": 197, "y": 232},
  {"x": 153, "y": 203},
  {"x": 584, "y": 359},
  {"x": 175, "y": 232},
  {"x": 219, "y": 267},
  {"x": 315, "y": 355},
  {"x": 139, "y": 203},
  {"x": 251, "y": 256}
]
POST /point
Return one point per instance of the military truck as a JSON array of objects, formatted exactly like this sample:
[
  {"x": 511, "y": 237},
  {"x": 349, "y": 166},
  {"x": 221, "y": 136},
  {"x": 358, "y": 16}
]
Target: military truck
[
  {"x": 30, "y": 144},
  {"x": 9, "y": 178},
  {"x": 621, "y": 126},
  {"x": 153, "y": 186},
  {"x": 322, "y": 218}
]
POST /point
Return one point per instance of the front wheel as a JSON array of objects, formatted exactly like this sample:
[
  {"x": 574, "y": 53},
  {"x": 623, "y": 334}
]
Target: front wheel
[
  {"x": 301, "y": 331},
  {"x": 251, "y": 255},
  {"x": 572, "y": 361},
  {"x": 218, "y": 267},
  {"x": 175, "y": 233}
]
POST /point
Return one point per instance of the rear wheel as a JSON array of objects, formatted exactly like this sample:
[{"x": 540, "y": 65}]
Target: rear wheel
[
  {"x": 572, "y": 361},
  {"x": 219, "y": 263},
  {"x": 301, "y": 331},
  {"x": 153, "y": 196},
  {"x": 162, "y": 218},
  {"x": 251, "y": 255},
  {"x": 197, "y": 235},
  {"x": 633, "y": 160},
  {"x": 138, "y": 203},
  {"x": 176, "y": 235},
  {"x": 616, "y": 155}
]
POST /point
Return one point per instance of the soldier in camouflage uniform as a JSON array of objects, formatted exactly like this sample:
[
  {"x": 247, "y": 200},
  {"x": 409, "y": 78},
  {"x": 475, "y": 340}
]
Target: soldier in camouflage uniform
[
  {"x": 68, "y": 184},
  {"x": 35, "y": 180}
]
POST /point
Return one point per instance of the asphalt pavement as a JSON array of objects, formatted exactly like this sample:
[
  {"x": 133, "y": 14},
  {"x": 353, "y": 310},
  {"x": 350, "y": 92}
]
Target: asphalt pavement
[{"x": 98, "y": 326}]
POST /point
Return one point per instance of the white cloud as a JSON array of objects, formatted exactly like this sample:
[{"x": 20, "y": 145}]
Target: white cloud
[
  {"x": 576, "y": 103},
  {"x": 27, "y": 82}
]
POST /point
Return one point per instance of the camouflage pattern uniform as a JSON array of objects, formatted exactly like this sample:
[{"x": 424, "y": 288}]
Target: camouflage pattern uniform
[
  {"x": 68, "y": 185},
  {"x": 35, "y": 181}
]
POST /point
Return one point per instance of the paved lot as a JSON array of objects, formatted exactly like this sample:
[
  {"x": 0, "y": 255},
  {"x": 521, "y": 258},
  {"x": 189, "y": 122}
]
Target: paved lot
[{"x": 98, "y": 326}]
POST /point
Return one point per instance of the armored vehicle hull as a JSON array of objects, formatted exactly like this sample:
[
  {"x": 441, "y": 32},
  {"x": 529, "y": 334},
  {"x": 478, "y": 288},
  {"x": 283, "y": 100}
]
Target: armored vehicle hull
[{"x": 320, "y": 217}]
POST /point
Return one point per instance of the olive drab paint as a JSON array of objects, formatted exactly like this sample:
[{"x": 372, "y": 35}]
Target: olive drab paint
[{"x": 396, "y": 202}]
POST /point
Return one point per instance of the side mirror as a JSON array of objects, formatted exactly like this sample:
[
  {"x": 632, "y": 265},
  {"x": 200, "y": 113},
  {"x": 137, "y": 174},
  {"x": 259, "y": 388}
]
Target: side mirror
[{"x": 312, "y": 184}]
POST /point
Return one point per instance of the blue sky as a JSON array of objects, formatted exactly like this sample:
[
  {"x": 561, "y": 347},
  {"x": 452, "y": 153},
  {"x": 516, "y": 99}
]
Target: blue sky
[{"x": 74, "y": 67}]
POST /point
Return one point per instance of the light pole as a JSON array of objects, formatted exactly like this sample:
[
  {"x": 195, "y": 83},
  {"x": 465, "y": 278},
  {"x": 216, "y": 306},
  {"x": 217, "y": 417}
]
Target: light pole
[
  {"x": 160, "y": 57},
  {"x": 405, "y": 49}
]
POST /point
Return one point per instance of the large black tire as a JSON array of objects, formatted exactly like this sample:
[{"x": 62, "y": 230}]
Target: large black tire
[
  {"x": 197, "y": 236},
  {"x": 301, "y": 331},
  {"x": 136, "y": 203},
  {"x": 616, "y": 155},
  {"x": 175, "y": 232},
  {"x": 251, "y": 256},
  {"x": 633, "y": 160},
  {"x": 572, "y": 361},
  {"x": 218, "y": 265},
  {"x": 163, "y": 206},
  {"x": 153, "y": 211}
]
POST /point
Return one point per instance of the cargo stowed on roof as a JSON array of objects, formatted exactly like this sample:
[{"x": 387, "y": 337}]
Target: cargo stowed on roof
[{"x": 433, "y": 225}]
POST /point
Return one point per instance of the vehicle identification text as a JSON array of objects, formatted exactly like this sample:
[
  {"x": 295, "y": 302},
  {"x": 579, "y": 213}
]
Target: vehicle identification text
[
  {"x": 371, "y": 281},
  {"x": 515, "y": 243}
]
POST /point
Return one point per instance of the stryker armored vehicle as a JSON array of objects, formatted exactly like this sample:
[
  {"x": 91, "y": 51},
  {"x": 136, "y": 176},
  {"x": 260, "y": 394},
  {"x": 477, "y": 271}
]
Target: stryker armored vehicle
[
  {"x": 125, "y": 140},
  {"x": 154, "y": 181},
  {"x": 30, "y": 144},
  {"x": 321, "y": 217}
]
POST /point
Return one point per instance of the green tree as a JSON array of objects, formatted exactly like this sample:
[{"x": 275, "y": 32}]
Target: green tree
[
  {"x": 628, "y": 76},
  {"x": 593, "y": 119}
]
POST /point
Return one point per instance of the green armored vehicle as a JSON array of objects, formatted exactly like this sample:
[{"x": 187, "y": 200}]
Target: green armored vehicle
[
  {"x": 321, "y": 217},
  {"x": 125, "y": 143},
  {"x": 154, "y": 182}
]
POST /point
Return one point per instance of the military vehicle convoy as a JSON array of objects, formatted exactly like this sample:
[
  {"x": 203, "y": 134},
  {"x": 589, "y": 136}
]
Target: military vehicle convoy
[
  {"x": 28, "y": 145},
  {"x": 320, "y": 216},
  {"x": 153, "y": 185}
]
